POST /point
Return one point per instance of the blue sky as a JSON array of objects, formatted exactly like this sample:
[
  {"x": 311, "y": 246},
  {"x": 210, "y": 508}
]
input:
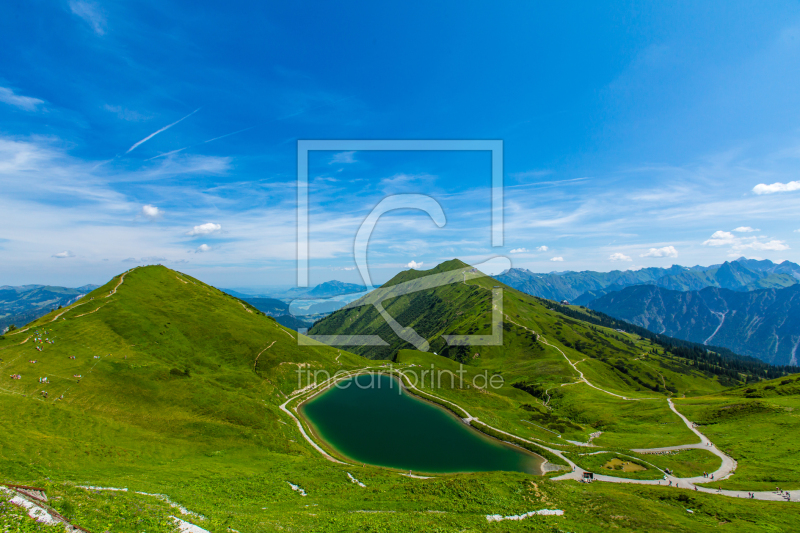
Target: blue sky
[{"x": 634, "y": 135}]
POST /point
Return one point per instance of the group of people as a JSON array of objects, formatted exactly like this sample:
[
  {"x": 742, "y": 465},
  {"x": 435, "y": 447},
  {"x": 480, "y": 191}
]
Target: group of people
[
  {"x": 44, "y": 380},
  {"x": 16, "y": 376},
  {"x": 671, "y": 452},
  {"x": 706, "y": 474}
]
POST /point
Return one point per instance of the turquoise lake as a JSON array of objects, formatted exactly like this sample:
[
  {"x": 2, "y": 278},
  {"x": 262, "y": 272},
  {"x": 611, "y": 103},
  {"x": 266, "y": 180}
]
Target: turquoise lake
[{"x": 371, "y": 419}]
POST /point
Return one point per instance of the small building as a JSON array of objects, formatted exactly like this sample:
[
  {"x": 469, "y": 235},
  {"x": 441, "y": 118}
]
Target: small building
[{"x": 588, "y": 476}]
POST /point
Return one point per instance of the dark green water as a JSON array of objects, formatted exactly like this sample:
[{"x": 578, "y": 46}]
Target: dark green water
[{"x": 373, "y": 421}]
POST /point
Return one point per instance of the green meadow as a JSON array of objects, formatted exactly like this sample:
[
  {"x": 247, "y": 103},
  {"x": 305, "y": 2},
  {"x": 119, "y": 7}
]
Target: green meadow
[{"x": 179, "y": 394}]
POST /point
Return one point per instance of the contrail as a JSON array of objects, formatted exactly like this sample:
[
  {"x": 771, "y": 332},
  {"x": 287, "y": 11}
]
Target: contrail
[
  {"x": 228, "y": 135},
  {"x": 132, "y": 148},
  {"x": 166, "y": 154}
]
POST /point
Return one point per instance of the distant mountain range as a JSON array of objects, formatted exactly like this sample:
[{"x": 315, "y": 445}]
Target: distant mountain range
[
  {"x": 762, "y": 323},
  {"x": 749, "y": 306},
  {"x": 580, "y": 288},
  {"x": 22, "y": 304},
  {"x": 328, "y": 289}
]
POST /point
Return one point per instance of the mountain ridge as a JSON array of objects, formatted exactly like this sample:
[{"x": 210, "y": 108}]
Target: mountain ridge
[
  {"x": 761, "y": 323},
  {"x": 742, "y": 274}
]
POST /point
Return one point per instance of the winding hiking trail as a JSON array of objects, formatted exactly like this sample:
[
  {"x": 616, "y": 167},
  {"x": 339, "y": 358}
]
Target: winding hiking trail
[
  {"x": 582, "y": 378},
  {"x": 71, "y": 307},
  {"x": 255, "y": 363},
  {"x": 121, "y": 279},
  {"x": 726, "y": 469}
]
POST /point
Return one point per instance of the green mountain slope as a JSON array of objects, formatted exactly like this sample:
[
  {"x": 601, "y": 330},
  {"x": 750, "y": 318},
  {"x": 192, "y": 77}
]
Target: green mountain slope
[
  {"x": 539, "y": 350},
  {"x": 180, "y": 390}
]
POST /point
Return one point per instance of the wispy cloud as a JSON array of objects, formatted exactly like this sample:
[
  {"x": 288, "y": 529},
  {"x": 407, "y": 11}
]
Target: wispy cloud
[
  {"x": 519, "y": 251},
  {"x": 763, "y": 188},
  {"x": 557, "y": 259},
  {"x": 619, "y": 257},
  {"x": 343, "y": 158},
  {"x": 28, "y": 103},
  {"x": 205, "y": 229},
  {"x": 666, "y": 251},
  {"x": 165, "y": 128},
  {"x": 63, "y": 255},
  {"x": 202, "y": 248},
  {"x": 126, "y": 114},
  {"x": 90, "y": 13},
  {"x": 745, "y": 229},
  {"x": 403, "y": 181},
  {"x": 531, "y": 174},
  {"x": 542, "y": 248}
]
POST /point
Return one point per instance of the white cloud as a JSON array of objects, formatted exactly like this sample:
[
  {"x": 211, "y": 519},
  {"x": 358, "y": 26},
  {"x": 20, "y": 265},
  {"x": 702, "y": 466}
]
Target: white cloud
[
  {"x": 204, "y": 229},
  {"x": 130, "y": 260},
  {"x": 619, "y": 257},
  {"x": 63, "y": 255},
  {"x": 666, "y": 251},
  {"x": 745, "y": 229},
  {"x": 741, "y": 244},
  {"x": 90, "y": 13},
  {"x": 542, "y": 249},
  {"x": 343, "y": 157},
  {"x": 773, "y": 245},
  {"x": 414, "y": 264},
  {"x": 27, "y": 103},
  {"x": 151, "y": 211},
  {"x": 557, "y": 259},
  {"x": 202, "y": 248},
  {"x": 797, "y": 231},
  {"x": 721, "y": 238},
  {"x": 519, "y": 251},
  {"x": 763, "y": 188}
]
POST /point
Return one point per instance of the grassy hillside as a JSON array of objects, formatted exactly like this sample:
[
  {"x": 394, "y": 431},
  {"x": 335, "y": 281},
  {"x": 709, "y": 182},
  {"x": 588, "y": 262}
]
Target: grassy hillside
[{"x": 180, "y": 390}]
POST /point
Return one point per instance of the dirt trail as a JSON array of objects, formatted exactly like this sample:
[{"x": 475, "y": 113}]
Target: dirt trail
[
  {"x": 255, "y": 363},
  {"x": 582, "y": 378},
  {"x": 114, "y": 290},
  {"x": 726, "y": 468}
]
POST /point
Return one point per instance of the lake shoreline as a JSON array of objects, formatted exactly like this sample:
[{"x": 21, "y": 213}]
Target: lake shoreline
[{"x": 315, "y": 432}]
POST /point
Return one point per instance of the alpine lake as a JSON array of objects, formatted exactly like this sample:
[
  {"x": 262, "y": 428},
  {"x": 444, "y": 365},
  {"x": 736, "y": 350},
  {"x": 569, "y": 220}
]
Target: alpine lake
[{"x": 372, "y": 419}]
